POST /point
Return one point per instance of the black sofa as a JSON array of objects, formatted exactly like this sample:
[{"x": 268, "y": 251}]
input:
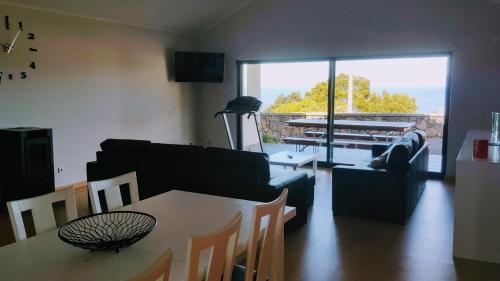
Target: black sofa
[
  {"x": 216, "y": 171},
  {"x": 389, "y": 193}
]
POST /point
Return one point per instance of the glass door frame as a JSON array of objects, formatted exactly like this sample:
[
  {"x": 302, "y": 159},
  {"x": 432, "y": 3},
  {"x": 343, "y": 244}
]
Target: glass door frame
[
  {"x": 239, "y": 92},
  {"x": 331, "y": 94}
]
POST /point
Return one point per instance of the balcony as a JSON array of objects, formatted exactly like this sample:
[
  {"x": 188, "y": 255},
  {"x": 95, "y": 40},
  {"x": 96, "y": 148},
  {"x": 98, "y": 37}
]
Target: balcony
[{"x": 274, "y": 130}]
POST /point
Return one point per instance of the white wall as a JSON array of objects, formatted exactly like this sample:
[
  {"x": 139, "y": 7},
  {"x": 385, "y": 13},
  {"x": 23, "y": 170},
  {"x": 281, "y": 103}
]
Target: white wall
[
  {"x": 273, "y": 29},
  {"x": 95, "y": 80}
]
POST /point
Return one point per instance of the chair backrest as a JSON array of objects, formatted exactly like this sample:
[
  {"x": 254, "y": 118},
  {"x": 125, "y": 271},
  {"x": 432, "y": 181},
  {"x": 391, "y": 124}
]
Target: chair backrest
[
  {"x": 160, "y": 270},
  {"x": 269, "y": 253},
  {"x": 112, "y": 192},
  {"x": 41, "y": 210},
  {"x": 222, "y": 244}
]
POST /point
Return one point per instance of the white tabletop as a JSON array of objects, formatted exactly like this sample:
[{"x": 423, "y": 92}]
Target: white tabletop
[
  {"x": 289, "y": 158},
  {"x": 179, "y": 215}
]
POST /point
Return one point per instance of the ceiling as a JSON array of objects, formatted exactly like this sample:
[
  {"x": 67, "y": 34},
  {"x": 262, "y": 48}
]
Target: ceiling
[{"x": 188, "y": 17}]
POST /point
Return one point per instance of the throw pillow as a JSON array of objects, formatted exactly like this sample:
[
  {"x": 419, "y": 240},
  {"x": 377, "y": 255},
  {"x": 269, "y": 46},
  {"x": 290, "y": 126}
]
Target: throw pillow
[
  {"x": 421, "y": 136},
  {"x": 399, "y": 154},
  {"x": 415, "y": 142},
  {"x": 379, "y": 162}
]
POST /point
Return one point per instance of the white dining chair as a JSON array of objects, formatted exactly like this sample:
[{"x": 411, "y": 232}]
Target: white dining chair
[
  {"x": 112, "y": 192},
  {"x": 41, "y": 210},
  {"x": 270, "y": 256},
  {"x": 160, "y": 270},
  {"x": 222, "y": 244}
]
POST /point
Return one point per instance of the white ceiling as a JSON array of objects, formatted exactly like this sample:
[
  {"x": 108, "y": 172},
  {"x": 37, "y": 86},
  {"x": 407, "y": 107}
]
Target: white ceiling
[{"x": 179, "y": 16}]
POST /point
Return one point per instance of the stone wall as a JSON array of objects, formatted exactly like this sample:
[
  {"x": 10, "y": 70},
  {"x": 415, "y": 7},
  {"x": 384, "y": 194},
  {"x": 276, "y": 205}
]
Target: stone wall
[{"x": 274, "y": 124}]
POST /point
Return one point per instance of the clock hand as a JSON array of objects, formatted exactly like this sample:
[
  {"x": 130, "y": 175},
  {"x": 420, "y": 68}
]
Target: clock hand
[
  {"x": 5, "y": 46},
  {"x": 14, "y": 41}
]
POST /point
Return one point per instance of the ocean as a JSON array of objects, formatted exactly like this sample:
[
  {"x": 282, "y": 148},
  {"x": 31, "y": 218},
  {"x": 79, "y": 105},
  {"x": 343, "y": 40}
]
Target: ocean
[{"x": 429, "y": 99}]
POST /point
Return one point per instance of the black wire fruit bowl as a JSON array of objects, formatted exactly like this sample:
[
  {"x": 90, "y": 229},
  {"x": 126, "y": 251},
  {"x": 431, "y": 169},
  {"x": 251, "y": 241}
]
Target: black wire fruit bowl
[{"x": 107, "y": 231}]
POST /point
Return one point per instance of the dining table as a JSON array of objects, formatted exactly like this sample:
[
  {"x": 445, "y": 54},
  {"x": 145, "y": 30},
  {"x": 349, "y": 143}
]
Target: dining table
[
  {"x": 387, "y": 126},
  {"x": 179, "y": 215}
]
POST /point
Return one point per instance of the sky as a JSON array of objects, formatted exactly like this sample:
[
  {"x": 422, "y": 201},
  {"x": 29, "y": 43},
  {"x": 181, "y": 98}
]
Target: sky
[{"x": 400, "y": 72}]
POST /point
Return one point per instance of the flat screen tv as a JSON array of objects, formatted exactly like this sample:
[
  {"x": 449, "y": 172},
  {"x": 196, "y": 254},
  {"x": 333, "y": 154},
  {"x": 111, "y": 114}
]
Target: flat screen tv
[{"x": 199, "y": 67}]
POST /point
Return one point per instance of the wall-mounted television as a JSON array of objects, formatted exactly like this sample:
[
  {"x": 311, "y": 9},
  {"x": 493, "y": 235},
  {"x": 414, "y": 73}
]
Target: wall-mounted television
[{"x": 199, "y": 67}]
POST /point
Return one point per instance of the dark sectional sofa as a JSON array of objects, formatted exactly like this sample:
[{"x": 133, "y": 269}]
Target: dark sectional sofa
[
  {"x": 216, "y": 171},
  {"x": 388, "y": 193}
]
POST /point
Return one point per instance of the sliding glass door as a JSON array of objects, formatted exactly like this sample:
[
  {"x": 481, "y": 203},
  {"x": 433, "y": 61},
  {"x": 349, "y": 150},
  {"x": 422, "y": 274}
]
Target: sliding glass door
[
  {"x": 293, "y": 95},
  {"x": 377, "y": 100},
  {"x": 341, "y": 108}
]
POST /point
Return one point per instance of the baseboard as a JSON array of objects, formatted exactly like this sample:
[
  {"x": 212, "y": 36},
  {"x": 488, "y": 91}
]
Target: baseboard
[{"x": 450, "y": 179}]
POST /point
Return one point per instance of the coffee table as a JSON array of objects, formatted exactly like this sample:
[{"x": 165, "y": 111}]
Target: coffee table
[{"x": 294, "y": 159}]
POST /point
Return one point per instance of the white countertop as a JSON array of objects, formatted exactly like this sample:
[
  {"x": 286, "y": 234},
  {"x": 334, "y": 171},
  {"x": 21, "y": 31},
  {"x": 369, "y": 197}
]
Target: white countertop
[
  {"x": 465, "y": 153},
  {"x": 477, "y": 193}
]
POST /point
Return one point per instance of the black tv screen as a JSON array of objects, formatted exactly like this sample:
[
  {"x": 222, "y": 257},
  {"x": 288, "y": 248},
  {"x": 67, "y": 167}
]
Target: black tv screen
[{"x": 199, "y": 67}]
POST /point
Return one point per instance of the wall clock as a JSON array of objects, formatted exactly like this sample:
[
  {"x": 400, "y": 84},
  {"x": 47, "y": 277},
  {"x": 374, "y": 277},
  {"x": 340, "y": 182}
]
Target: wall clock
[{"x": 12, "y": 36}]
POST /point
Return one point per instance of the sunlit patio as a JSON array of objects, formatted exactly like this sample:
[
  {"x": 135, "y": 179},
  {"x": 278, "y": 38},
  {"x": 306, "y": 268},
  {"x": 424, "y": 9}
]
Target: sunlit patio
[{"x": 278, "y": 129}]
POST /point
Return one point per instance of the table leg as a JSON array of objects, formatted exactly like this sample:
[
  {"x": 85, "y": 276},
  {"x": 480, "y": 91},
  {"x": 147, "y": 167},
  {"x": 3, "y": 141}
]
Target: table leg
[{"x": 315, "y": 166}]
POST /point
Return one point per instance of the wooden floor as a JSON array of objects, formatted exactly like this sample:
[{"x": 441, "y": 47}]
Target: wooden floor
[
  {"x": 339, "y": 248},
  {"x": 331, "y": 248}
]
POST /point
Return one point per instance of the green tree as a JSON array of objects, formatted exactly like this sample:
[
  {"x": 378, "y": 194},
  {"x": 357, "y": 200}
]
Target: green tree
[
  {"x": 316, "y": 100},
  {"x": 266, "y": 138},
  {"x": 282, "y": 101}
]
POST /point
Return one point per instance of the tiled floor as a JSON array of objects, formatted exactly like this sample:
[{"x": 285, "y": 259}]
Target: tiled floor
[{"x": 331, "y": 248}]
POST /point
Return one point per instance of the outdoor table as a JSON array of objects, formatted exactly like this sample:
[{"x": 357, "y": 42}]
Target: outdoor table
[{"x": 387, "y": 126}]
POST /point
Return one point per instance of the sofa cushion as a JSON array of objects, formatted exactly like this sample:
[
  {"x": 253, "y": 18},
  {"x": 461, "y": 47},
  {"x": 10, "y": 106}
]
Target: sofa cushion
[
  {"x": 399, "y": 155},
  {"x": 379, "y": 162},
  {"x": 159, "y": 175},
  {"x": 253, "y": 163},
  {"x": 415, "y": 142},
  {"x": 422, "y": 137},
  {"x": 379, "y": 149},
  {"x": 124, "y": 145},
  {"x": 179, "y": 153}
]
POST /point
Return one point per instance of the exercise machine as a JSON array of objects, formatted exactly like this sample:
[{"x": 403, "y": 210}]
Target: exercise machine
[{"x": 241, "y": 106}]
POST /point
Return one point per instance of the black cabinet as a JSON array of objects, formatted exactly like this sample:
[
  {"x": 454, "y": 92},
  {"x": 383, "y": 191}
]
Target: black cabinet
[{"x": 26, "y": 163}]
